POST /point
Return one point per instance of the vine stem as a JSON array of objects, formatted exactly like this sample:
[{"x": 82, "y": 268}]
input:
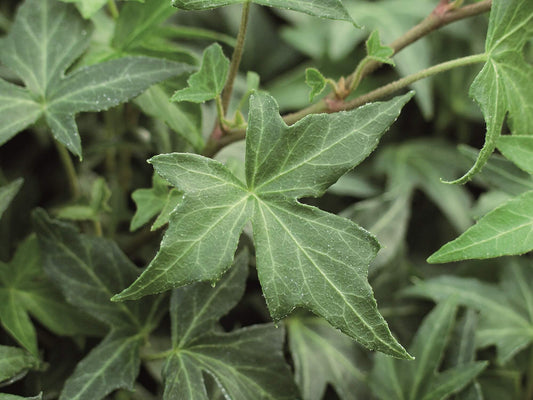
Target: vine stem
[
  {"x": 68, "y": 166},
  {"x": 113, "y": 10},
  {"x": 392, "y": 87},
  {"x": 236, "y": 58}
]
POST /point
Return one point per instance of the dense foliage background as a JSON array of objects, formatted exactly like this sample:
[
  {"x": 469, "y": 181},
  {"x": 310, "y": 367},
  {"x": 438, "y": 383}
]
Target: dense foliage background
[{"x": 80, "y": 218}]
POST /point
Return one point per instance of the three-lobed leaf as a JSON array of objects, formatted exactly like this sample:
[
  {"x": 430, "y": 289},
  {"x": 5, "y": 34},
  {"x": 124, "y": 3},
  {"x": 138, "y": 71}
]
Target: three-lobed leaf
[
  {"x": 316, "y": 81},
  {"x": 28, "y": 51},
  {"x": 377, "y": 51},
  {"x": 305, "y": 257},
  {"x": 88, "y": 270},
  {"x": 504, "y": 87},
  {"x": 246, "y": 363},
  {"x": 332, "y": 9}
]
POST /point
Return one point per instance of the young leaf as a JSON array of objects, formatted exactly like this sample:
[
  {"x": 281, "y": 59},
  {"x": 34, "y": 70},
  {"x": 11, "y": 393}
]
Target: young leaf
[
  {"x": 51, "y": 94},
  {"x": 505, "y": 84},
  {"x": 14, "y": 361},
  {"x": 246, "y": 364},
  {"x": 377, "y": 51},
  {"x": 24, "y": 289},
  {"x": 93, "y": 208},
  {"x": 305, "y": 256},
  {"x": 323, "y": 355},
  {"x": 149, "y": 202},
  {"x": 505, "y": 230},
  {"x": 420, "y": 379},
  {"x": 88, "y": 270},
  {"x": 506, "y": 310},
  {"x": 8, "y": 193},
  {"x": 316, "y": 81},
  {"x": 332, "y": 9},
  {"x": 518, "y": 149},
  {"x": 208, "y": 82}
]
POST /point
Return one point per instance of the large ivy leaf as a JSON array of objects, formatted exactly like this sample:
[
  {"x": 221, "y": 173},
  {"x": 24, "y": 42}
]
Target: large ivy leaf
[
  {"x": 421, "y": 378},
  {"x": 332, "y": 9},
  {"x": 25, "y": 290},
  {"x": 44, "y": 40},
  {"x": 324, "y": 355},
  {"x": 8, "y": 192},
  {"x": 504, "y": 87},
  {"x": 88, "y": 270},
  {"x": 247, "y": 363},
  {"x": 305, "y": 256},
  {"x": 15, "y": 361},
  {"x": 506, "y": 318}
]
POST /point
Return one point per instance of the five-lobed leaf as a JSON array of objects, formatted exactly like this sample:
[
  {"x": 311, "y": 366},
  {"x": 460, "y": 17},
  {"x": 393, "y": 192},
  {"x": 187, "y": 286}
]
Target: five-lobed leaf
[
  {"x": 45, "y": 39},
  {"x": 506, "y": 316},
  {"x": 504, "y": 87},
  {"x": 305, "y": 256},
  {"x": 208, "y": 82},
  {"x": 332, "y": 9},
  {"x": 246, "y": 363}
]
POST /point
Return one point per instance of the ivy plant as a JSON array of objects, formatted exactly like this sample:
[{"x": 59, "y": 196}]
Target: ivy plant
[{"x": 262, "y": 189}]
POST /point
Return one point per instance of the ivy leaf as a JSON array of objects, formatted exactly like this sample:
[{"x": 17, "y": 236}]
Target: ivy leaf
[
  {"x": 247, "y": 363},
  {"x": 506, "y": 319},
  {"x": 208, "y": 82},
  {"x": 323, "y": 355},
  {"x": 377, "y": 51},
  {"x": 8, "y": 193},
  {"x": 15, "y": 361},
  {"x": 51, "y": 94},
  {"x": 93, "y": 208},
  {"x": 305, "y": 256},
  {"x": 332, "y": 9},
  {"x": 518, "y": 149},
  {"x": 503, "y": 231},
  {"x": 421, "y": 379},
  {"x": 316, "y": 81},
  {"x": 504, "y": 87},
  {"x": 88, "y": 270},
  {"x": 24, "y": 289},
  {"x": 87, "y": 8}
]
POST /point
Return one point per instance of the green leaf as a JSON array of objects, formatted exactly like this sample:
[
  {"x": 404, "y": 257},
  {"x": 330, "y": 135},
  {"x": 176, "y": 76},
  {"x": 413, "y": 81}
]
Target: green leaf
[
  {"x": 8, "y": 193},
  {"x": 323, "y": 355},
  {"x": 504, "y": 87},
  {"x": 420, "y": 379},
  {"x": 24, "y": 289},
  {"x": 305, "y": 257},
  {"x": 316, "y": 81},
  {"x": 154, "y": 102},
  {"x": 506, "y": 316},
  {"x": 15, "y": 361},
  {"x": 149, "y": 202},
  {"x": 246, "y": 364},
  {"x": 378, "y": 52},
  {"x": 4, "y": 396},
  {"x": 208, "y": 82},
  {"x": 518, "y": 149},
  {"x": 87, "y": 7},
  {"x": 503, "y": 231},
  {"x": 42, "y": 67},
  {"x": 332, "y": 9},
  {"x": 88, "y": 270},
  {"x": 91, "y": 209}
]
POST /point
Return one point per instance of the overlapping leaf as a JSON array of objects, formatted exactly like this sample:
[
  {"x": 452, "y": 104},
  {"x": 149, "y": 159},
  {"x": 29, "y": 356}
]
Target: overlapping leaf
[
  {"x": 421, "y": 379},
  {"x": 504, "y": 87},
  {"x": 25, "y": 290},
  {"x": 15, "y": 361},
  {"x": 332, "y": 9},
  {"x": 506, "y": 309},
  {"x": 89, "y": 7},
  {"x": 88, "y": 270},
  {"x": 7, "y": 193},
  {"x": 305, "y": 257},
  {"x": 323, "y": 355},
  {"x": 46, "y": 37},
  {"x": 247, "y": 363}
]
